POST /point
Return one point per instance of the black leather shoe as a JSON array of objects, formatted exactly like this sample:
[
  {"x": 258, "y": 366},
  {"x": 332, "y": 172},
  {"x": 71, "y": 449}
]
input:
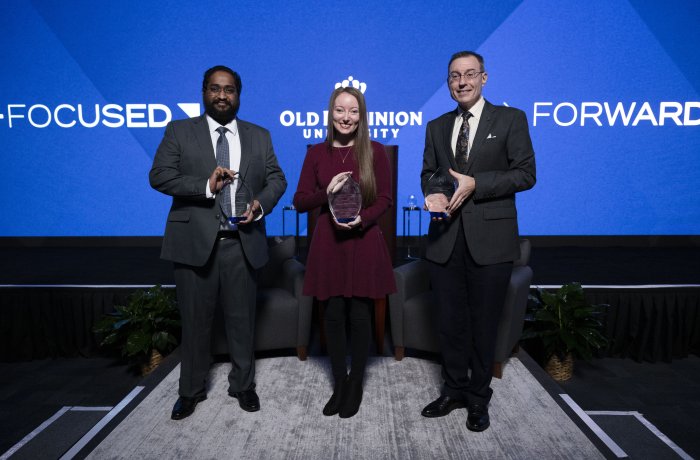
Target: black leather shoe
[
  {"x": 248, "y": 399},
  {"x": 352, "y": 398},
  {"x": 332, "y": 407},
  {"x": 478, "y": 418},
  {"x": 184, "y": 406},
  {"x": 442, "y": 406}
]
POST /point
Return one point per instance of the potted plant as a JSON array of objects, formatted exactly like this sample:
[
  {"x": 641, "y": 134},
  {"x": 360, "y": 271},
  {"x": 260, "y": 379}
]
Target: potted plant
[
  {"x": 144, "y": 329},
  {"x": 567, "y": 327}
]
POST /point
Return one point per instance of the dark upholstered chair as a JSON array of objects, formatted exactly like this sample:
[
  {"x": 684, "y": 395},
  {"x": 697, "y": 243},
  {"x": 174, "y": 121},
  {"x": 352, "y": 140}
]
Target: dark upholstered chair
[
  {"x": 412, "y": 309},
  {"x": 283, "y": 316}
]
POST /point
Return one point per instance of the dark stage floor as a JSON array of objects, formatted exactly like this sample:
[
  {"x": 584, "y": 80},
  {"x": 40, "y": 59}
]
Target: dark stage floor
[{"x": 665, "y": 394}]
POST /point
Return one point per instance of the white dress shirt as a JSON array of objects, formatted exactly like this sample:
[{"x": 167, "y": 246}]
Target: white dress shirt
[{"x": 234, "y": 152}]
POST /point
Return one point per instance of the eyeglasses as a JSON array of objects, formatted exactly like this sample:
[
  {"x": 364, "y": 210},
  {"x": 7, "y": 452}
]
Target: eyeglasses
[
  {"x": 456, "y": 76},
  {"x": 216, "y": 89}
]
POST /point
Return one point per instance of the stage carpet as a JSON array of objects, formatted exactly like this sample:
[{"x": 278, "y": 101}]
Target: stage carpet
[{"x": 526, "y": 423}]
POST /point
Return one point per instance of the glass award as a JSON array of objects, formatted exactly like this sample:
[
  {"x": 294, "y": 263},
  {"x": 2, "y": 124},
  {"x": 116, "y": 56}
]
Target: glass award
[
  {"x": 411, "y": 202},
  {"x": 345, "y": 204},
  {"x": 438, "y": 193},
  {"x": 242, "y": 199}
]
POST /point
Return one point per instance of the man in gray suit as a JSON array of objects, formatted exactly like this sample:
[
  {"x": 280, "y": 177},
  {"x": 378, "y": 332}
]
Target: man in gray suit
[
  {"x": 488, "y": 151},
  {"x": 200, "y": 163}
]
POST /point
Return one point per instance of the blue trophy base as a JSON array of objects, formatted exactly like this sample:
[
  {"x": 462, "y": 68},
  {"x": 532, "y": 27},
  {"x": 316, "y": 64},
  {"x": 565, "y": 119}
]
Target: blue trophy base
[{"x": 439, "y": 215}]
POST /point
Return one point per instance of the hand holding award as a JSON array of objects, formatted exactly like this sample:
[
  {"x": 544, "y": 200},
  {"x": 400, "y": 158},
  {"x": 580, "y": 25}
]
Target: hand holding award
[
  {"x": 438, "y": 192},
  {"x": 344, "y": 198},
  {"x": 242, "y": 198}
]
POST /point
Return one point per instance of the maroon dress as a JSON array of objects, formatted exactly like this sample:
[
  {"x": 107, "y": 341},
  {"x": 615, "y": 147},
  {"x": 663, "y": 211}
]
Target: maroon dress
[{"x": 347, "y": 263}]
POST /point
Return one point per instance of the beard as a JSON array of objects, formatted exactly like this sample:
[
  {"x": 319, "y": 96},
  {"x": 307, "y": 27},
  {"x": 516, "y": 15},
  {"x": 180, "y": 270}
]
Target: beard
[{"x": 222, "y": 114}]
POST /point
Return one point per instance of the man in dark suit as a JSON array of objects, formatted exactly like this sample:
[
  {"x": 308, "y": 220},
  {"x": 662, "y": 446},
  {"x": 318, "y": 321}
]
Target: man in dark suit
[
  {"x": 200, "y": 163},
  {"x": 488, "y": 151}
]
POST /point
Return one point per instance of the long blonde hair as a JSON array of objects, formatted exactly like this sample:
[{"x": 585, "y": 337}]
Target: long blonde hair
[{"x": 362, "y": 147}]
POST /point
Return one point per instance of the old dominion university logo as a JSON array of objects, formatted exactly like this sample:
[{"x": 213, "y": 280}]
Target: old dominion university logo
[{"x": 383, "y": 125}]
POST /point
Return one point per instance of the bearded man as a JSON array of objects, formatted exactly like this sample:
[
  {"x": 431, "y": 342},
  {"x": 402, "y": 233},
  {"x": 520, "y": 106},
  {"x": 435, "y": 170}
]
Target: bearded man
[{"x": 201, "y": 163}]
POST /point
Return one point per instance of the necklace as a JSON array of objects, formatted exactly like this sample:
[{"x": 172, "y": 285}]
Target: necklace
[{"x": 344, "y": 157}]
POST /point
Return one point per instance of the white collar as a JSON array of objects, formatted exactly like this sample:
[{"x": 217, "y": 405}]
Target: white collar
[
  {"x": 475, "y": 110},
  {"x": 214, "y": 125}
]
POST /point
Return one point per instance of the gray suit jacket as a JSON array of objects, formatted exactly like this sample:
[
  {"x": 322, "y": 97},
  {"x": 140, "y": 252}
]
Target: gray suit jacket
[
  {"x": 184, "y": 161},
  {"x": 502, "y": 163}
]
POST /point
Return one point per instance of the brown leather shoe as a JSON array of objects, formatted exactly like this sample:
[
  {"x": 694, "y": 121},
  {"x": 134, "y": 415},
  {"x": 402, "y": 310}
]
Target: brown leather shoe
[
  {"x": 184, "y": 406},
  {"x": 442, "y": 406}
]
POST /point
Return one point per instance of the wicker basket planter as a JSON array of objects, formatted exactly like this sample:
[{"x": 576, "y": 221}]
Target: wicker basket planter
[
  {"x": 153, "y": 362},
  {"x": 560, "y": 370}
]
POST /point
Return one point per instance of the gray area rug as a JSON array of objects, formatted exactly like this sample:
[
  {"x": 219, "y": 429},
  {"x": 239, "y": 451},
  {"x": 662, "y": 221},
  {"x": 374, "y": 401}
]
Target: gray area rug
[{"x": 526, "y": 423}]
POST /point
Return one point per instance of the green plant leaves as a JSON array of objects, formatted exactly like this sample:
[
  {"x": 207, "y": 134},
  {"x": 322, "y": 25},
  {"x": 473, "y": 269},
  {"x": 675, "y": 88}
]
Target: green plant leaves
[
  {"x": 150, "y": 320},
  {"x": 565, "y": 322}
]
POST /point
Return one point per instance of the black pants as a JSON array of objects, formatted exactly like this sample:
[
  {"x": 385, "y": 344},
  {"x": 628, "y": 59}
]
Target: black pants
[
  {"x": 226, "y": 279},
  {"x": 358, "y": 310},
  {"x": 470, "y": 300}
]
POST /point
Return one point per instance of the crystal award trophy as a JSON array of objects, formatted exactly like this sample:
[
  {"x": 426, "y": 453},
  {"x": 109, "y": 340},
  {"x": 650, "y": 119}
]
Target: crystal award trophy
[
  {"x": 345, "y": 204},
  {"x": 242, "y": 199},
  {"x": 438, "y": 193}
]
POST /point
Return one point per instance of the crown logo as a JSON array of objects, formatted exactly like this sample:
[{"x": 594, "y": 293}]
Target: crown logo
[{"x": 361, "y": 86}]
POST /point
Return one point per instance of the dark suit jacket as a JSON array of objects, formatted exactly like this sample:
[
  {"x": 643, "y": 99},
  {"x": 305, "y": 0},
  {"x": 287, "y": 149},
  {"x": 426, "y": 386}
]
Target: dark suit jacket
[
  {"x": 502, "y": 163},
  {"x": 184, "y": 161}
]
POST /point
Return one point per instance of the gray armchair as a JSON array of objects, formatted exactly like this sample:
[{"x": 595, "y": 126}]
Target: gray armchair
[
  {"x": 283, "y": 315},
  {"x": 412, "y": 309}
]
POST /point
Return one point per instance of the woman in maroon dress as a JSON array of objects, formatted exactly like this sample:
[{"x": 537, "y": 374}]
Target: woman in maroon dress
[{"x": 348, "y": 263}]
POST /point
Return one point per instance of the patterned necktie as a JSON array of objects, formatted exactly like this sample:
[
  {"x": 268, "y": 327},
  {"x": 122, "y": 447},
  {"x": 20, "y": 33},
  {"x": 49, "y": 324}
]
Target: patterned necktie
[
  {"x": 462, "y": 150},
  {"x": 222, "y": 159}
]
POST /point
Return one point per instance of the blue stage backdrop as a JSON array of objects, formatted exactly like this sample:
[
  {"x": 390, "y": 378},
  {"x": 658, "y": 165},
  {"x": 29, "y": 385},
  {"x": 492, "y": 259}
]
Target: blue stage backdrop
[{"x": 610, "y": 89}]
